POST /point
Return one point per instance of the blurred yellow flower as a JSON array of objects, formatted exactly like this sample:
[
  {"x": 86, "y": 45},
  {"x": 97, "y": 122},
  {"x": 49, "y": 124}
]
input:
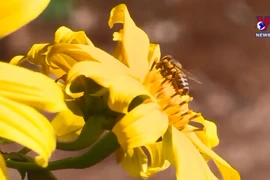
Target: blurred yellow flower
[
  {"x": 16, "y": 13},
  {"x": 161, "y": 113},
  {"x": 23, "y": 92}
]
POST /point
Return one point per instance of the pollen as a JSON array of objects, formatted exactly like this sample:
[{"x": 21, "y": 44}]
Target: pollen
[{"x": 171, "y": 101}]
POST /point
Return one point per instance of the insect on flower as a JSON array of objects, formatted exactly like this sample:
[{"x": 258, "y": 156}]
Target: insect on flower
[{"x": 173, "y": 71}]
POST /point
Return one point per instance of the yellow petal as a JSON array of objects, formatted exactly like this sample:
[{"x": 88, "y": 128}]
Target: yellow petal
[
  {"x": 133, "y": 129},
  {"x": 58, "y": 74},
  {"x": 227, "y": 172},
  {"x": 158, "y": 162},
  {"x": 138, "y": 164},
  {"x": 187, "y": 160},
  {"x": 123, "y": 90},
  {"x": 66, "y": 35},
  {"x": 64, "y": 56},
  {"x": 209, "y": 136},
  {"x": 36, "y": 54},
  {"x": 66, "y": 124},
  {"x": 31, "y": 88},
  {"x": 16, "y": 13},
  {"x": 117, "y": 53},
  {"x": 135, "y": 42},
  {"x": 3, "y": 169},
  {"x": 26, "y": 126},
  {"x": 134, "y": 161},
  {"x": 101, "y": 74},
  {"x": 154, "y": 54},
  {"x": 71, "y": 136},
  {"x": 17, "y": 60}
]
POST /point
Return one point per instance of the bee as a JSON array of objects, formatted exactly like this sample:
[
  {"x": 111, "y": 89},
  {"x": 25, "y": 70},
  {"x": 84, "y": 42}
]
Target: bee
[{"x": 173, "y": 72}]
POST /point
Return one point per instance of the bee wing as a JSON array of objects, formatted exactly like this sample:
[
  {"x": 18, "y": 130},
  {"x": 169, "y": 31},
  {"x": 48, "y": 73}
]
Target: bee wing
[{"x": 191, "y": 76}]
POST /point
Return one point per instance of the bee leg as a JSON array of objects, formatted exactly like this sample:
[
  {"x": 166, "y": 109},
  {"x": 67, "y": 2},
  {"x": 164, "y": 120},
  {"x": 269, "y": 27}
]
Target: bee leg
[{"x": 185, "y": 91}]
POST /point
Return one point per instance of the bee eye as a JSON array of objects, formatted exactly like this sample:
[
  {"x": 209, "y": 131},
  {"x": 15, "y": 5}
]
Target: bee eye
[{"x": 165, "y": 61}]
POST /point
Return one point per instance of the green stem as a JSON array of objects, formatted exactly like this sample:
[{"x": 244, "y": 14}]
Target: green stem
[
  {"x": 102, "y": 149},
  {"x": 24, "y": 150},
  {"x": 91, "y": 131}
]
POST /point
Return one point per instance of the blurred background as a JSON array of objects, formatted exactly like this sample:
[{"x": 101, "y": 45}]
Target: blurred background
[{"x": 214, "y": 40}]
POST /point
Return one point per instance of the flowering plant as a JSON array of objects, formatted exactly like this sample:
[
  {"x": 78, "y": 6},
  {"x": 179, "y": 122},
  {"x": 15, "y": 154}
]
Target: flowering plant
[{"x": 130, "y": 103}]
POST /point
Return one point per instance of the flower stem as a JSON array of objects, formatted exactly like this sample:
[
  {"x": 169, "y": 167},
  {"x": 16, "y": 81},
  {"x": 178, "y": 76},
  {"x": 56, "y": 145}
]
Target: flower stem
[
  {"x": 91, "y": 131},
  {"x": 24, "y": 150},
  {"x": 102, "y": 149}
]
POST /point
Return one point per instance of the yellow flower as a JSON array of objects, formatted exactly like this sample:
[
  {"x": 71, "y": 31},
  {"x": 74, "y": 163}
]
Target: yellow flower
[
  {"x": 162, "y": 112},
  {"x": 23, "y": 92},
  {"x": 16, "y": 13},
  {"x": 127, "y": 82}
]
